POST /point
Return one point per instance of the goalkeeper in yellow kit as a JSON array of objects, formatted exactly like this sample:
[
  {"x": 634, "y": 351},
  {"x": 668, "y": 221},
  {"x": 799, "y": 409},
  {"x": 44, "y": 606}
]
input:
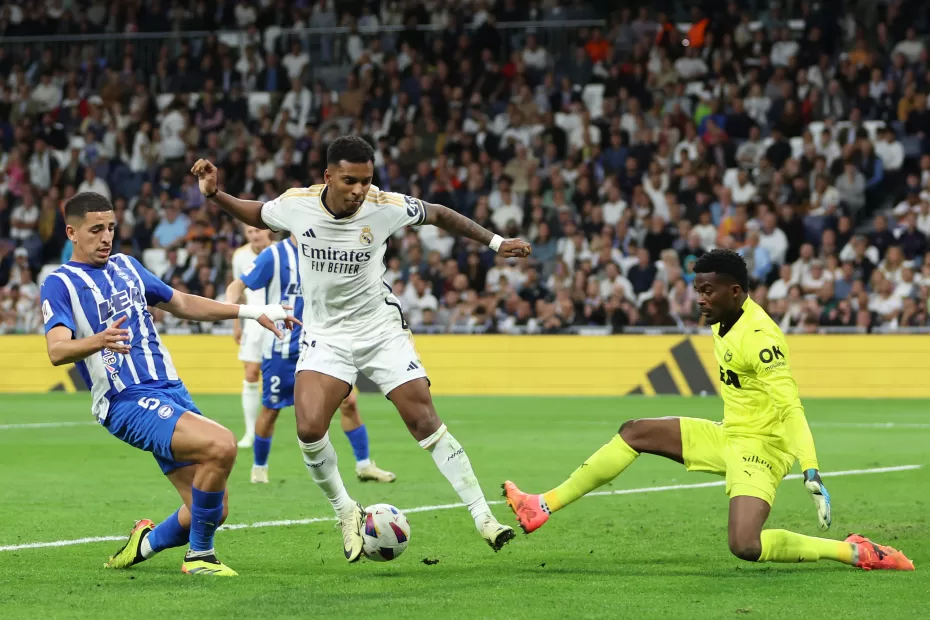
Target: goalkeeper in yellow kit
[{"x": 764, "y": 430}]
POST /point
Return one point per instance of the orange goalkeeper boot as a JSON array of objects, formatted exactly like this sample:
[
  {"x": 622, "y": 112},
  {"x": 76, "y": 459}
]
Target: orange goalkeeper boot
[
  {"x": 528, "y": 508},
  {"x": 878, "y": 557}
]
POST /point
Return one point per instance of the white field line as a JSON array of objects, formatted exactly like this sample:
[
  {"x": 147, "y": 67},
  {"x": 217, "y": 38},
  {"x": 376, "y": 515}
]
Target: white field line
[
  {"x": 287, "y": 522},
  {"x": 13, "y": 427},
  {"x": 30, "y": 425}
]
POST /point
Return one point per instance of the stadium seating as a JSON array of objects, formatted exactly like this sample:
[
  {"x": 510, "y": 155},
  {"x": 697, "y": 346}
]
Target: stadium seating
[{"x": 602, "y": 172}]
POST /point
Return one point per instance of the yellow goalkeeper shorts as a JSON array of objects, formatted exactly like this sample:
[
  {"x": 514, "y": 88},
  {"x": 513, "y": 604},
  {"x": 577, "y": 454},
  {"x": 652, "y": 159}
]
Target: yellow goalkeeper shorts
[{"x": 752, "y": 466}]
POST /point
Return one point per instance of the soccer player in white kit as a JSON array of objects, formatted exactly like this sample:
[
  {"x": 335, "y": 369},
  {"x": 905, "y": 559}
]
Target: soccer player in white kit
[
  {"x": 248, "y": 334},
  {"x": 353, "y": 323}
]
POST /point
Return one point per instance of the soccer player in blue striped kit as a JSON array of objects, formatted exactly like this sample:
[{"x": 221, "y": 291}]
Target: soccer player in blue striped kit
[
  {"x": 275, "y": 272},
  {"x": 96, "y": 316}
]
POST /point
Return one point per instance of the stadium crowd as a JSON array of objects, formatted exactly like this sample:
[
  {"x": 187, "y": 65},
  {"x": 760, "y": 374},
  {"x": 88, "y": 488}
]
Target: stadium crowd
[{"x": 799, "y": 136}]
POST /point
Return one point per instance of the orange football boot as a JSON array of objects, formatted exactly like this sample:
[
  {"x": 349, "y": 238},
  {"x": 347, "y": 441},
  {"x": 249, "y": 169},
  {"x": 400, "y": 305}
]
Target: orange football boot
[
  {"x": 878, "y": 557},
  {"x": 131, "y": 553},
  {"x": 528, "y": 508}
]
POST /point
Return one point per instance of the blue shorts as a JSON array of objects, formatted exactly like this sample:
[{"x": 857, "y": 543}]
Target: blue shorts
[
  {"x": 144, "y": 416},
  {"x": 278, "y": 382}
]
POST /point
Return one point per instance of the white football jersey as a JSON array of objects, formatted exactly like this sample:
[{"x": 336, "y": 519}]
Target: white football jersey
[
  {"x": 342, "y": 260},
  {"x": 241, "y": 262}
]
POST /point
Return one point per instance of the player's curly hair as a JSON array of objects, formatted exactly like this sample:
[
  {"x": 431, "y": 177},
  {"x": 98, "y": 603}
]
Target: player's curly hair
[
  {"x": 724, "y": 262},
  {"x": 351, "y": 149},
  {"x": 83, "y": 203}
]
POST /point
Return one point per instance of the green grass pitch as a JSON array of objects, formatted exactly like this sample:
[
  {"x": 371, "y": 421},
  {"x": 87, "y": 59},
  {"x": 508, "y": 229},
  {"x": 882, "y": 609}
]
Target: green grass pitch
[{"x": 660, "y": 554}]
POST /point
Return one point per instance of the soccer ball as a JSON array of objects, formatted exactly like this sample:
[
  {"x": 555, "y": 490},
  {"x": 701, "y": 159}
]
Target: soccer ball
[{"x": 386, "y": 532}]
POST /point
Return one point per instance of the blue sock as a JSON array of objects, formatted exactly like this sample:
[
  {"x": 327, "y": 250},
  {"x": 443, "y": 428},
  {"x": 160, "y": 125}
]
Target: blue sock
[
  {"x": 261, "y": 447},
  {"x": 358, "y": 437},
  {"x": 168, "y": 534},
  {"x": 206, "y": 512}
]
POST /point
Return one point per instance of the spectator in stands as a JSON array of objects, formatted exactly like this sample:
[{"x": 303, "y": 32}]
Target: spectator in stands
[
  {"x": 643, "y": 273},
  {"x": 93, "y": 183},
  {"x": 24, "y": 219},
  {"x": 851, "y": 186},
  {"x": 911, "y": 48},
  {"x": 20, "y": 265},
  {"x": 43, "y": 167},
  {"x": 172, "y": 228}
]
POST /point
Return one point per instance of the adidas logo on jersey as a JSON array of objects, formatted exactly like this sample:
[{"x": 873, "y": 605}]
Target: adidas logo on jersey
[
  {"x": 412, "y": 366},
  {"x": 310, "y": 233}
]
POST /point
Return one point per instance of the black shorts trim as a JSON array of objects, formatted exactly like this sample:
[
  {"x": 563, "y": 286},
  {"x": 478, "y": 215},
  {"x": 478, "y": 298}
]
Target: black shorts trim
[{"x": 403, "y": 321}]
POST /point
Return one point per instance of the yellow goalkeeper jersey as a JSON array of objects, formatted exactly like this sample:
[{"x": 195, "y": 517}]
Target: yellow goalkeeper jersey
[{"x": 760, "y": 396}]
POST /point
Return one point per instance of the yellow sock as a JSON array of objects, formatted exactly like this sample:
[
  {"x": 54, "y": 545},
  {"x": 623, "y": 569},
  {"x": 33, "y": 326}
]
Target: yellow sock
[
  {"x": 788, "y": 547},
  {"x": 600, "y": 468}
]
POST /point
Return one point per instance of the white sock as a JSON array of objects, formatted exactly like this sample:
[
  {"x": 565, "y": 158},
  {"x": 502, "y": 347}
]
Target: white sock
[
  {"x": 450, "y": 458},
  {"x": 360, "y": 465},
  {"x": 321, "y": 461},
  {"x": 191, "y": 554},
  {"x": 251, "y": 403},
  {"x": 146, "y": 548}
]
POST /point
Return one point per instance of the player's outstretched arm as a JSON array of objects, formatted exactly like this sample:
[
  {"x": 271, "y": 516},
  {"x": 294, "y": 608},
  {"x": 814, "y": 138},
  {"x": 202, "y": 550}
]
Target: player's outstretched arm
[
  {"x": 63, "y": 350},
  {"x": 460, "y": 226},
  {"x": 196, "y": 308},
  {"x": 248, "y": 211}
]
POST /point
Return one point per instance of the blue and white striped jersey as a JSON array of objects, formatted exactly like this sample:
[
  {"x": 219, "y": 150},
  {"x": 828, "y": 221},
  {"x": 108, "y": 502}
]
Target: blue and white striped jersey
[
  {"x": 276, "y": 270},
  {"x": 88, "y": 299}
]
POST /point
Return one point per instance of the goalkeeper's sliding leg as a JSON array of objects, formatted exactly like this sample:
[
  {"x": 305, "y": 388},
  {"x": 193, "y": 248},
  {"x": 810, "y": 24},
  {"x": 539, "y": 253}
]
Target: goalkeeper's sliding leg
[{"x": 700, "y": 445}]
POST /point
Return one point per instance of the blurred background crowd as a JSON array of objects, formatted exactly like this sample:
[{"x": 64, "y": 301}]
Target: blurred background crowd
[{"x": 623, "y": 140}]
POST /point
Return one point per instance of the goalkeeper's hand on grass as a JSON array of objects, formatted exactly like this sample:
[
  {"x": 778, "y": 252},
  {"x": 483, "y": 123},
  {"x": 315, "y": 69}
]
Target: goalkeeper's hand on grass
[{"x": 821, "y": 497}]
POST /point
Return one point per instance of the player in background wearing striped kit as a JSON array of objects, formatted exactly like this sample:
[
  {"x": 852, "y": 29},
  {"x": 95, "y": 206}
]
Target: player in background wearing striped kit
[
  {"x": 248, "y": 334},
  {"x": 275, "y": 273}
]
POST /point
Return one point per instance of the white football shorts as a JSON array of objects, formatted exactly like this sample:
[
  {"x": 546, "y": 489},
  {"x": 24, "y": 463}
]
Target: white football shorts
[
  {"x": 250, "y": 346},
  {"x": 384, "y": 353}
]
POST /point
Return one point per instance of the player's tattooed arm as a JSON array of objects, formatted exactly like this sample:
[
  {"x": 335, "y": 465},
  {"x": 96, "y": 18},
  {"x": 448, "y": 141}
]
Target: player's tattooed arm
[
  {"x": 461, "y": 226},
  {"x": 456, "y": 223}
]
